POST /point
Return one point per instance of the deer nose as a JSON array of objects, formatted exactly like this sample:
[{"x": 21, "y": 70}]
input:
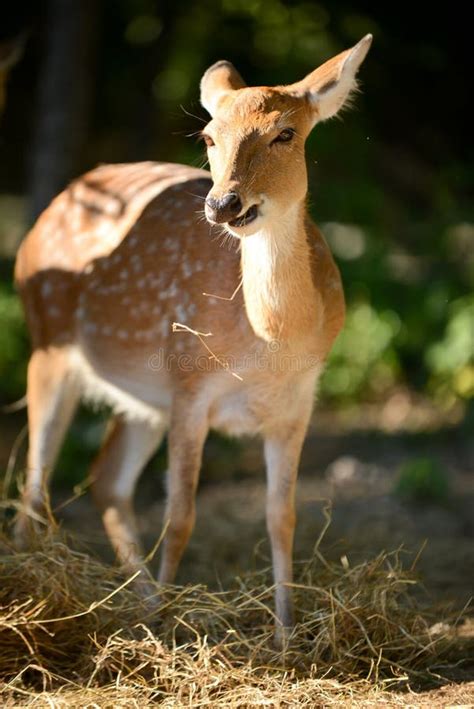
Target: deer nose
[{"x": 224, "y": 209}]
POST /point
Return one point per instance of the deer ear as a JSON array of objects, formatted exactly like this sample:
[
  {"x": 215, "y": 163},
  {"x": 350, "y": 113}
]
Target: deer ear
[
  {"x": 330, "y": 86},
  {"x": 220, "y": 79}
]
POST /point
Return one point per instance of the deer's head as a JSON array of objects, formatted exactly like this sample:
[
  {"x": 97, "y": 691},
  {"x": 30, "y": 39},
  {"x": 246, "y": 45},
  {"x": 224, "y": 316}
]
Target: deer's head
[{"x": 256, "y": 137}]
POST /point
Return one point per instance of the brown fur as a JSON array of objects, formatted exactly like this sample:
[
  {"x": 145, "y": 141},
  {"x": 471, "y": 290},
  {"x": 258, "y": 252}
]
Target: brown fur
[{"x": 124, "y": 252}]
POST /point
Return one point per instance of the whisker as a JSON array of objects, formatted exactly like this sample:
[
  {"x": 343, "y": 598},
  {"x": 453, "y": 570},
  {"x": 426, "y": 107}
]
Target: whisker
[
  {"x": 194, "y": 133},
  {"x": 192, "y": 115},
  {"x": 200, "y": 162},
  {"x": 197, "y": 196}
]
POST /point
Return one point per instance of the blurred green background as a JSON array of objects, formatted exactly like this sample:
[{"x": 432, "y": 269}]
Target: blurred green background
[{"x": 390, "y": 184}]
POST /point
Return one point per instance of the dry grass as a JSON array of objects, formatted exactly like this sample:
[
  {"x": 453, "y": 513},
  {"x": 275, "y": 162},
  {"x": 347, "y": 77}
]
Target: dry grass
[{"x": 72, "y": 634}]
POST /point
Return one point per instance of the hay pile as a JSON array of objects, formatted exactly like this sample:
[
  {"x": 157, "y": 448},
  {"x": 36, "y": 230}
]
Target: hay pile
[{"x": 72, "y": 634}]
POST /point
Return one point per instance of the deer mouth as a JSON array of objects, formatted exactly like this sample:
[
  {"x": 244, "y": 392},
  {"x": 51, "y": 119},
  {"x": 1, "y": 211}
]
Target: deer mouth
[{"x": 249, "y": 216}]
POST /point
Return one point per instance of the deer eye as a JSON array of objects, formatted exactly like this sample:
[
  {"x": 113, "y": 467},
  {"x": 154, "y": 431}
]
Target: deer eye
[
  {"x": 208, "y": 140},
  {"x": 284, "y": 137}
]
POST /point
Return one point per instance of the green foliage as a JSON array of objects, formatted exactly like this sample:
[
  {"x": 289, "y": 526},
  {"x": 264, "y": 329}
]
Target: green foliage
[
  {"x": 13, "y": 345},
  {"x": 451, "y": 360},
  {"x": 423, "y": 480},
  {"x": 363, "y": 361},
  {"x": 408, "y": 321}
]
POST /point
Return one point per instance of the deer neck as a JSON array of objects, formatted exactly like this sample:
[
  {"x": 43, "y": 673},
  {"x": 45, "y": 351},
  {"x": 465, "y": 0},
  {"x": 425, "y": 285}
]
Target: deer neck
[{"x": 279, "y": 293}]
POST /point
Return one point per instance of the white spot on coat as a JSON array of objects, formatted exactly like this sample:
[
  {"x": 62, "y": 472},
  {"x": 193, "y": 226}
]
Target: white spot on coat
[{"x": 46, "y": 289}]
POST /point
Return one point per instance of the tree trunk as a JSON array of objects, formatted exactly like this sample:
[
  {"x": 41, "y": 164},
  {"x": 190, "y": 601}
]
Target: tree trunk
[{"x": 63, "y": 98}]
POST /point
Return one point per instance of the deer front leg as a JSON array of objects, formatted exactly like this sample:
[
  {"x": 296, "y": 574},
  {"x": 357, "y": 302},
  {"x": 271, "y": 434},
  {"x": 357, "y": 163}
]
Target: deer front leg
[
  {"x": 282, "y": 455},
  {"x": 185, "y": 443}
]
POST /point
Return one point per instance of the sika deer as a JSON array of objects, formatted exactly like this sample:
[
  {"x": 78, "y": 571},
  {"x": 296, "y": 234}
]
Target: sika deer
[{"x": 121, "y": 254}]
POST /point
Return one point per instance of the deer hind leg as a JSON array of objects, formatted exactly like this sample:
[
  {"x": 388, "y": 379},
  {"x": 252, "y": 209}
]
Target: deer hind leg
[
  {"x": 282, "y": 455},
  {"x": 188, "y": 433},
  {"x": 53, "y": 393},
  {"x": 128, "y": 446}
]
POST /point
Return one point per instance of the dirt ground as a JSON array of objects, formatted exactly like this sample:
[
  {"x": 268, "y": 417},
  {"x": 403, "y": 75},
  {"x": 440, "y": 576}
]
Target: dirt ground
[
  {"x": 351, "y": 469},
  {"x": 353, "y": 472}
]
